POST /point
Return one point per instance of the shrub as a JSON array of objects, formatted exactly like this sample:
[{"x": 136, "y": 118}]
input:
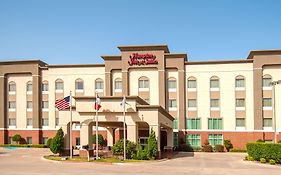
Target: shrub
[
  {"x": 272, "y": 162},
  {"x": 246, "y": 157},
  {"x": 264, "y": 150},
  {"x": 219, "y": 148},
  {"x": 152, "y": 145},
  {"x": 238, "y": 150},
  {"x": 100, "y": 139},
  {"x": 141, "y": 154},
  {"x": 262, "y": 160},
  {"x": 56, "y": 145},
  {"x": 16, "y": 138},
  {"x": 228, "y": 145},
  {"x": 206, "y": 147},
  {"x": 49, "y": 141},
  {"x": 118, "y": 148},
  {"x": 279, "y": 141},
  {"x": 251, "y": 158},
  {"x": 260, "y": 141}
]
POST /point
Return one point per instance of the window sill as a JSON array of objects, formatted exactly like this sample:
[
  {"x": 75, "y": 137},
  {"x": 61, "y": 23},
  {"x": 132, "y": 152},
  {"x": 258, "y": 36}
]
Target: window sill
[
  {"x": 173, "y": 109},
  {"x": 214, "y": 89},
  {"x": 29, "y": 92},
  {"x": 267, "y": 128},
  {"x": 240, "y": 128},
  {"x": 267, "y": 108},
  {"x": 117, "y": 90},
  {"x": 79, "y": 91},
  {"x": 143, "y": 89},
  {"x": 172, "y": 90},
  {"x": 240, "y": 108},
  {"x": 191, "y": 89},
  {"x": 12, "y": 109},
  {"x": 214, "y": 108},
  {"x": 99, "y": 90},
  {"x": 240, "y": 88},
  {"x": 12, "y": 93},
  {"x": 29, "y": 110},
  {"x": 267, "y": 88},
  {"x": 192, "y": 108},
  {"x": 12, "y": 127},
  {"x": 45, "y": 92},
  {"x": 45, "y": 127},
  {"x": 59, "y": 91},
  {"x": 45, "y": 110},
  {"x": 29, "y": 127}
]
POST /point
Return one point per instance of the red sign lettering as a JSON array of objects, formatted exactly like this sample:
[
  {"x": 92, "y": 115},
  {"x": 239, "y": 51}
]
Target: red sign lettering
[{"x": 142, "y": 59}]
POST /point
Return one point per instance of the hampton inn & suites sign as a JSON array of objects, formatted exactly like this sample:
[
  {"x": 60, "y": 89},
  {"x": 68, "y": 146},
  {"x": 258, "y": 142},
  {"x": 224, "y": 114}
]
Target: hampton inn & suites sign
[{"x": 142, "y": 59}]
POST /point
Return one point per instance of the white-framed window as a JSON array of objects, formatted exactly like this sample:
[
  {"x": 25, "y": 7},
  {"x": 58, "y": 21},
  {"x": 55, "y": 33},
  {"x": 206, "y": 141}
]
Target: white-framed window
[
  {"x": 29, "y": 87},
  {"x": 240, "y": 83},
  {"x": 266, "y": 82},
  {"x": 29, "y": 123},
  {"x": 191, "y": 84},
  {"x": 79, "y": 85},
  {"x": 215, "y": 104},
  {"x": 240, "y": 124},
  {"x": 45, "y": 86},
  {"x": 59, "y": 85},
  {"x": 172, "y": 85},
  {"x": 99, "y": 85},
  {"x": 29, "y": 105},
  {"x": 29, "y": 140},
  {"x": 214, "y": 84},
  {"x": 45, "y": 140},
  {"x": 12, "y": 105},
  {"x": 12, "y": 122},
  {"x": 12, "y": 88},
  {"x": 240, "y": 104},
  {"x": 172, "y": 104},
  {"x": 267, "y": 123},
  {"x": 45, "y": 122},
  {"x": 192, "y": 104},
  {"x": 143, "y": 84},
  {"x": 267, "y": 103},
  {"x": 45, "y": 105},
  {"x": 215, "y": 139},
  {"x": 118, "y": 85}
]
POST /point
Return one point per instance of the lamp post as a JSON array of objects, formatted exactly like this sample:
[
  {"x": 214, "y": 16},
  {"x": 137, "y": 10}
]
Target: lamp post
[{"x": 274, "y": 83}]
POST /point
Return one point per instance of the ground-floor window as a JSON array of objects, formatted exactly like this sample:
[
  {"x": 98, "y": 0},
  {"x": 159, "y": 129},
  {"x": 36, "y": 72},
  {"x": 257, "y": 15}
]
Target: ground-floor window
[
  {"x": 175, "y": 124},
  {"x": 143, "y": 142},
  {"x": 176, "y": 139},
  {"x": 215, "y": 139},
  {"x": 10, "y": 140},
  {"x": 29, "y": 140},
  {"x": 77, "y": 141},
  {"x": 214, "y": 123},
  {"x": 193, "y": 140},
  {"x": 192, "y": 123},
  {"x": 44, "y": 140}
]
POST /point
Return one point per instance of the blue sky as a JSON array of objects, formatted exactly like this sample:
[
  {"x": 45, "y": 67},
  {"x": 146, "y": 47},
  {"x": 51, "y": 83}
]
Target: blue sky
[{"x": 68, "y": 32}]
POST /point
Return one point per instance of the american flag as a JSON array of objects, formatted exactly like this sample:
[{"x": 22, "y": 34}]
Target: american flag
[{"x": 62, "y": 104}]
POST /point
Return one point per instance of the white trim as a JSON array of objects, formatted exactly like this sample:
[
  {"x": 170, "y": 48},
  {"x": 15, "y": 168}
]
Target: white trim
[
  {"x": 59, "y": 90},
  {"x": 12, "y": 126},
  {"x": 240, "y": 128},
  {"x": 45, "y": 92},
  {"x": 29, "y": 127},
  {"x": 267, "y": 128},
  {"x": 267, "y": 88},
  {"x": 45, "y": 127},
  {"x": 45, "y": 109},
  {"x": 12, "y": 109},
  {"x": 175, "y": 130},
  {"x": 173, "y": 109},
  {"x": 267, "y": 108},
  {"x": 99, "y": 90},
  {"x": 204, "y": 130},
  {"x": 240, "y": 88},
  {"x": 191, "y": 89},
  {"x": 117, "y": 90},
  {"x": 172, "y": 90},
  {"x": 240, "y": 108},
  {"x": 192, "y": 108},
  {"x": 12, "y": 93},
  {"x": 214, "y": 89},
  {"x": 29, "y": 109},
  {"x": 79, "y": 90},
  {"x": 29, "y": 92},
  {"x": 143, "y": 89},
  {"x": 214, "y": 108}
]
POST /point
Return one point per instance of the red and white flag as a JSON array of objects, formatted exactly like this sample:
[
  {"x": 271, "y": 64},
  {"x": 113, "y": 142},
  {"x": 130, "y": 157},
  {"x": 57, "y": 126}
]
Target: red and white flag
[
  {"x": 64, "y": 103},
  {"x": 97, "y": 103}
]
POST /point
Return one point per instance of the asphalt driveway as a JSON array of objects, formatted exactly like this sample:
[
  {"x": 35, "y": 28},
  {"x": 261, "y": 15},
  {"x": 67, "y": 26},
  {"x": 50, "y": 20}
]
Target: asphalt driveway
[{"x": 30, "y": 161}]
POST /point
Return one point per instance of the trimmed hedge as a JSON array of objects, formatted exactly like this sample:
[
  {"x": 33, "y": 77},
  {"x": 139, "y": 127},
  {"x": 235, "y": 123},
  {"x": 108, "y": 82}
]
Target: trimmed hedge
[
  {"x": 264, "y": 150},
  {"x": 24, "y": 145},
  {"x": 219, "y": 148}
]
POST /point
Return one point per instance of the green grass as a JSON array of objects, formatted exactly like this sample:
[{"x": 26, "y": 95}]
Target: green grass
[{"x": 79, "y": 159}]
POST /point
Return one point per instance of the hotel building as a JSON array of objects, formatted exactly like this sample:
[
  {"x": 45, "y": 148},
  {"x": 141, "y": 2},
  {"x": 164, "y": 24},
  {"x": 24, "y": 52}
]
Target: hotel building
[{"x": 181, "y": 100}]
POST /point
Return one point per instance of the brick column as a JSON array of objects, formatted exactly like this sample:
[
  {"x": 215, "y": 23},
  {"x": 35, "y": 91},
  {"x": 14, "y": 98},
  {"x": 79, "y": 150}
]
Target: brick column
[
  {"x": 36, "y": 108},
  {"x": 108, "y": 84},
  {"x": 162, "y": 88},
  {"x": 125, "y": 82},
  {"x": 3, "y": 108}
]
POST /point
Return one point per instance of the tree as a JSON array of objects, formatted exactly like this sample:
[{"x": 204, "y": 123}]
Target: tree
[
  {"x": 16, "y": 138},
  {"x": 57, "y": 144},
  {"x": 228, "y": 145},
  {"x": 118, "y": 148},
  {"x": 100, "y": 139},
  {"x": 152, "y": 145}
]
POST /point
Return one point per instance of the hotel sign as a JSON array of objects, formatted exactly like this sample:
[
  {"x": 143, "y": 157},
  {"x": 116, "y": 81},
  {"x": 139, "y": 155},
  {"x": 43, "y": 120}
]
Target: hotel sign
[{"x": 142, "y": 59}]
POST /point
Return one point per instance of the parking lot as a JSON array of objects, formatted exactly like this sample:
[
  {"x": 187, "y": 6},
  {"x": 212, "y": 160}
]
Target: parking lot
[{"x": 30, "y": 161}]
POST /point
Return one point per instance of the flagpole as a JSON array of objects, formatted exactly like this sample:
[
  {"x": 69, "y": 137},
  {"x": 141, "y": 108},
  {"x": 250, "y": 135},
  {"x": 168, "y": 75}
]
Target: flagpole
[
  {"x": 70, "y": 129},
  {"x": 97, "y": 125},
  {"x": 124, "y": 127}
]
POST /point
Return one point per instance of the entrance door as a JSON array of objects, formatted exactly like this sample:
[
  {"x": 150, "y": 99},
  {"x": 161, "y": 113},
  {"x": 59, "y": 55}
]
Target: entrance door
[{"x": 163, "y": 141}]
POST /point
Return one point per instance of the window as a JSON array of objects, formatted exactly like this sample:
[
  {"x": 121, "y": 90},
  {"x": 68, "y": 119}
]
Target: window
[
  {"x": 10, "y": 140},
  {"x": 172, "y": 84},
  {"x": 143, "y": 83},
  {"x": 99, "y": 84},
  {"x": 267, "y": 102},
  {"x": 29, "y": 104},
  {"x": 45, "y": 104},
  {"x": 193, "y": 123},
  {"x": 79, "y": 85},
  {"x": 59, "y": 84},
  {"x": 12, "y": 105},
  {"x": 191, "y": 83},
  {"x": 29, "y": 140},
  {"x": 240, "y": 122},
  {"x": 239, "y": 82},
  {"x": 118, "y": 84},
  {"x": 12, "y": 122},
  {"x": 12, "y": 87},
  {"x": 214, "y": 103},
  {"x": 45, "y": 86},
  {"x": 266, "y": 81},
  {"x": 44, "y": 140},
  {"x": 29, "y": 87},
  {"x": 45, "y": 122},
  {"x": 77, "y": 140},
  {"x": 29, "y": 122},
  {"x": 192, "y": 103},
  {"x": 215, "y": 139},
  {"x": 214, "y": 123},
  {"x": 267, "y": 122},
  {"x": 143, "y": 142},
  {"x": 214, "y": 83},
  {"x": 57, "y": 121},
  {"x": 240, "y": 102},
  {"x": 175, "y": 123},
  {"x": 176, "y": 139},
  {"x": 193, "y": 140},
  {"x": 172, "y": 103}
]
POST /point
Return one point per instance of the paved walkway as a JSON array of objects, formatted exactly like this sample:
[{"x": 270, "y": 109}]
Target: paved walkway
[{"x": 29, "y": 161}]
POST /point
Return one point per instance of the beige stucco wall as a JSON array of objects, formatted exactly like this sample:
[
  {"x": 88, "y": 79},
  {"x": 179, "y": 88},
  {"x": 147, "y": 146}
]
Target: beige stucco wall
[{"x": 226, "y": 74}]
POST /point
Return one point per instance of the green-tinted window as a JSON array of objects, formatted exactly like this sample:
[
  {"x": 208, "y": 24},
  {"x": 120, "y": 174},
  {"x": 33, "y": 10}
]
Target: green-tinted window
[
  {"x": 176, "y": 139},
  {"x": 175, "y": 124},
  {"x": 214, "y": 123},
  {"x": 215, "y": 139},
  {"x": 193, "y": 140},
  {"x": 193, "y": 123}
]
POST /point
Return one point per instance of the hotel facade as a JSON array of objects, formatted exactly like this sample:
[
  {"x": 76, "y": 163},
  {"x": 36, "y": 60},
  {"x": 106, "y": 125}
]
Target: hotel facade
[{"x": 181, "y": 101}]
